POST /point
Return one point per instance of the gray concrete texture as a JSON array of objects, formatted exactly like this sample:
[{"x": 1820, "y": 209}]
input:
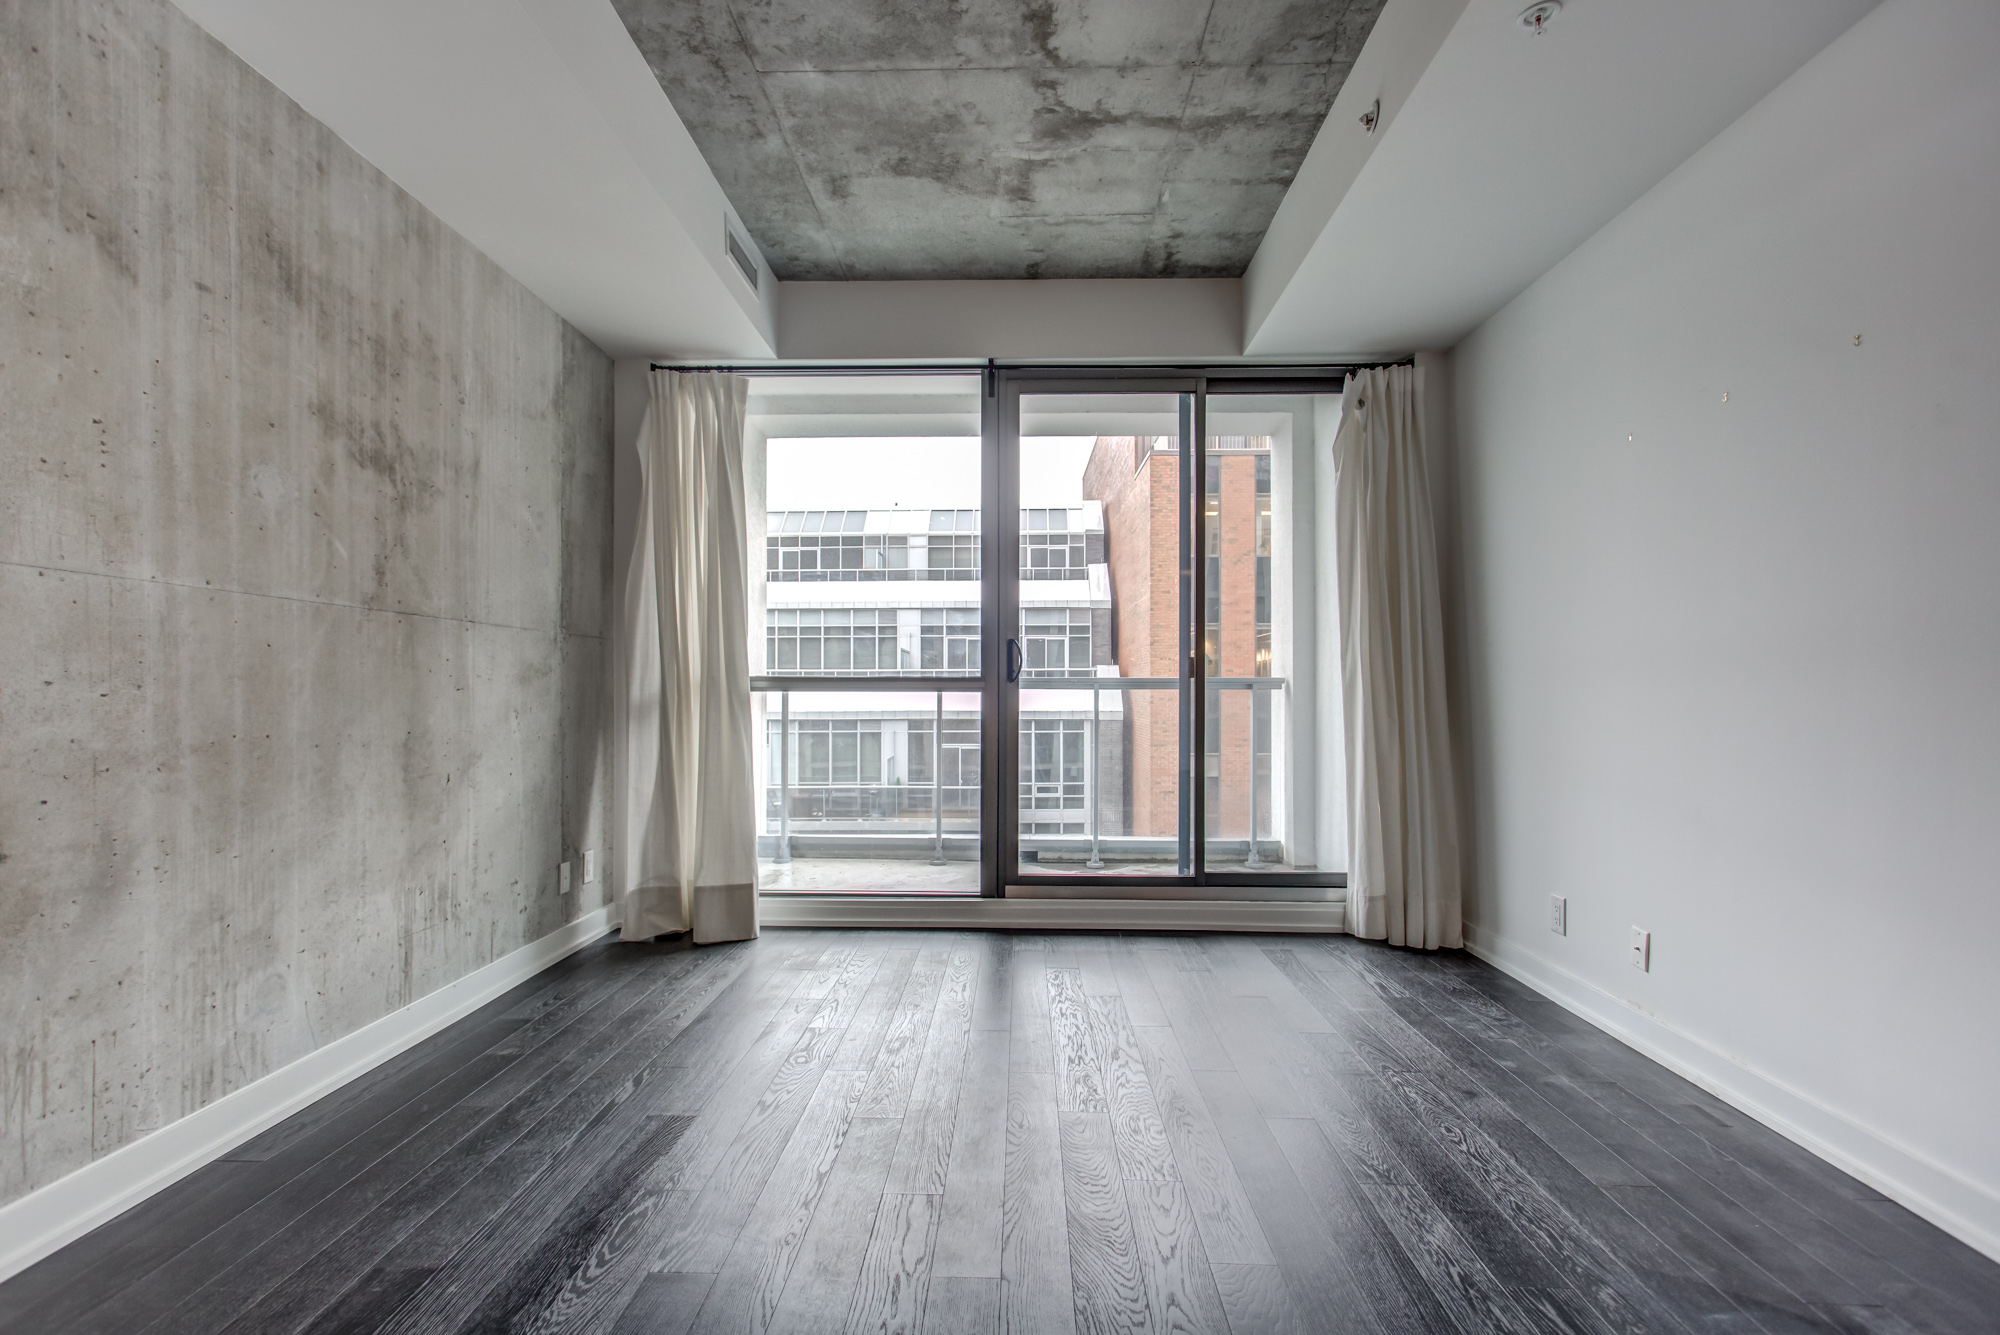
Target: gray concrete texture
[
  {"x": 304, "y": 573},
  {"x": 871, "y": 139}
]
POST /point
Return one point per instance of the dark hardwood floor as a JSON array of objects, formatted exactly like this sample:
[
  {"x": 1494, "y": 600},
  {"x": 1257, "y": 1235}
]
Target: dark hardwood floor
[{"x": 965, "y": 1132}]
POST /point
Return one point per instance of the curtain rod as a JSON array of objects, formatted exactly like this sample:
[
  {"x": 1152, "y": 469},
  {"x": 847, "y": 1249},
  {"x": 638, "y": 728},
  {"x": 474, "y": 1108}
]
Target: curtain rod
[{"x": 993, "y": 364}]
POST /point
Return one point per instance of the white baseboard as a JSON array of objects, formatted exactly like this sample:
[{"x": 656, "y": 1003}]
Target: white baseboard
[
  {"x": 1100, "y": 915},
  {"x": 66, "y": 1209},
  {"x": 1960, "y": 1206}
]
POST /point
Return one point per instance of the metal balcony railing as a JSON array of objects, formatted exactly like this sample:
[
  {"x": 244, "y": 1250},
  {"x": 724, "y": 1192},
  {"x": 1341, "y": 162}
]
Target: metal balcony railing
[{"x": 908, "y": 805}]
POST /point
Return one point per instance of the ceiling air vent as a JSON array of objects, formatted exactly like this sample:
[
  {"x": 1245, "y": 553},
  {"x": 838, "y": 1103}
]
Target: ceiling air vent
[{"x": 740, "y": 253}]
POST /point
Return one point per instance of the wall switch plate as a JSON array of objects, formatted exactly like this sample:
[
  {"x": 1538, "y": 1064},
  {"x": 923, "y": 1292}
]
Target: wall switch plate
[
  {"x": 562, "y": 879},
  {"x": 1642, "y": 950},
  {"x": 589, "y": 865},
  {"x": 1558, "y": 915}
]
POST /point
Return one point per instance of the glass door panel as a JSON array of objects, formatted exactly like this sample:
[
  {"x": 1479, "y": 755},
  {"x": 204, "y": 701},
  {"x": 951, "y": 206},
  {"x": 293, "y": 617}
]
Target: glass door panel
[
  {"x": 1097, "y": 667},
  {"x": 865, "y": 500},
  {"x": 1271, "y": 762}
]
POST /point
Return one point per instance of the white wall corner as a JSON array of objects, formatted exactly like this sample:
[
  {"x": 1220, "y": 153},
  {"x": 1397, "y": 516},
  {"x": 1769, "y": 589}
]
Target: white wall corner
[
  {"x": 55, "y": 1215},
  {"x": 1966, "y": 1209}
]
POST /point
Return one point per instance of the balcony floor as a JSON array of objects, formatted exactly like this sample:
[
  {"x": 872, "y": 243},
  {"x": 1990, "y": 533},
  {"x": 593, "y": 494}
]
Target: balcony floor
[{"x": 866, "y": 876}]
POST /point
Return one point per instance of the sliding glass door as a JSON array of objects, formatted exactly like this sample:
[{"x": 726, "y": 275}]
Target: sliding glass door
[
  {"x": 1160, "y": 714},
  {"x": 1045, "y": 633},
  {"x": 1097, "y": 697}
]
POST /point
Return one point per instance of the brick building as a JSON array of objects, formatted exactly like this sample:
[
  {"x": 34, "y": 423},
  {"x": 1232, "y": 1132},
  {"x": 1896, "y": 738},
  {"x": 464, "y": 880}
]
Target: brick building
[{"x": 1137, "y": 480}]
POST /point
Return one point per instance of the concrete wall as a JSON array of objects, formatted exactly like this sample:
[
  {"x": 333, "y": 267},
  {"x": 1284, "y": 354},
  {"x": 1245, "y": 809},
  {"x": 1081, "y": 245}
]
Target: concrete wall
[
  {"x": 1736, "y": 660},
  {"x": 303, "y": 579}
]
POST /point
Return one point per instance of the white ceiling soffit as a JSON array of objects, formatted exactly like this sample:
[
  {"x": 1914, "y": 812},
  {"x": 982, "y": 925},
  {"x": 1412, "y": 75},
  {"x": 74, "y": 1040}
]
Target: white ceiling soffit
[
  {"x": 1049, "y": 318},
  {"x": 1509, "y": 150},
  {"x": 535, "y": 130}
]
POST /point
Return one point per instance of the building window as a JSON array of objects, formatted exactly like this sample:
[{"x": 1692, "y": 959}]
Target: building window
[
  {"x": 950, "y": 640},
  {"x": 959, "y": 754},
  {"x": 839, "y": 641},
  {"x": 1052, "y": 775},
  {"x": 1052, "y": 544},
  {"x": 820, "y": 546},
  {"x": 1055, "y": 641}
]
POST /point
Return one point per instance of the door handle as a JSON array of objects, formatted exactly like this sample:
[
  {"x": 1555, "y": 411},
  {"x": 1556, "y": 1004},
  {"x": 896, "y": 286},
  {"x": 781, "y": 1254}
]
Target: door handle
[{"x": 1013, "y": 660}]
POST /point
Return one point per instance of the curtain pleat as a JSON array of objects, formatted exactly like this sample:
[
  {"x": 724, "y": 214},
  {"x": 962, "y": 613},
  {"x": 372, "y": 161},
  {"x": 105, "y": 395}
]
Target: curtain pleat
[
  {"x": 1403, "y": 855},
  {"x": 691, "y": 844}
]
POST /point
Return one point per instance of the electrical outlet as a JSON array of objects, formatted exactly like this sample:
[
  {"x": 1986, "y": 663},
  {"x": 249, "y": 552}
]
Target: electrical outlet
[
  {"x": 562, "y": 880},
  {"x": 589, "y": 865},
  {"x": 1642, "y": 950},
  {"x": 1558, "y": 915}
]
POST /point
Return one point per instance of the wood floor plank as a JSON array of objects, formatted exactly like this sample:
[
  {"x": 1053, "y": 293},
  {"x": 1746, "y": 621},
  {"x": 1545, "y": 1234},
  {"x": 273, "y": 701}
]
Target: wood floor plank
[
  {"x": 1136, "y": 1125},
  {"x": 664, "y": 1305},
  {"x": 993, "y": 1001},
  {"x": 1256, "y": 1302},
  {"x": 968, "y": 1243},
  {"x": 828, "y": 1266},
  {"x": 1229, "y": 1226},
  {"x": 660, "y": 1205},
  {"x": 1186, "y": 1013},
  {"x": 1079, "y": 1071},
  {"x": 1093, "y": 966},
  {"x": 270, "y": 1176},
  {"x": 828, "y": 970},
  {"x": 931, "y": 1115},
  {"x": 1034, "y": 1233},
  {"x": 1407, "y": 1264},
  {"x": 210, "y": 1257},
  {"x": 894, "y": 1071},
  {"x": 1467, "y": 1129},
  {"x": 508, "y": 1267},
  {"x": 1257, "y": 1040},
  {"x": 546, "y": 1072},
  {"x": 1337, "y": 1259},
  {"x": 461, "y": 1190},
  {"x": 702, "y": 1239},
  {"x": 1033, "y": 1048},
  {"x": 1173, "y": 1266},
  {"x": 895, "y": 1273},
  {"x": 962, "y": 1305},
  {"x": 1244, "y": 970},
  {"x": 1135, "y": 985},
  {"x": 1577, "y": 1169},
  {"x": 870, "y": 1022},
  {"x": 1521, "y": 1233},
  {"x": 524, "y": 1187},
  {"x": 502, "y": 1152},
  {"x": 751, "y": 1283},
  {"x": 1108, "y": 1292},
  {"x": 843, "y": 999}
]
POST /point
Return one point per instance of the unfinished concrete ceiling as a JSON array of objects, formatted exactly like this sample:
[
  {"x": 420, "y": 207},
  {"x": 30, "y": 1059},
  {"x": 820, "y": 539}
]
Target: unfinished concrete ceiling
[{"x": 870, "y": 139}]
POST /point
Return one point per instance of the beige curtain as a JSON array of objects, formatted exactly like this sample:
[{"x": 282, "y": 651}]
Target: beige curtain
[
  {"x": 690, "y": 800},
  {"x": 1402, "y": 817}
]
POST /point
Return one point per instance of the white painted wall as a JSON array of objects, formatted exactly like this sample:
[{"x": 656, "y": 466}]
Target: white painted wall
[
  {"x": 1400, "y": 47},
  {"x": 1500, "y": 152},
  {"x": 1044, "y": 318},
  {"x": 1734, "y": 667}
]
